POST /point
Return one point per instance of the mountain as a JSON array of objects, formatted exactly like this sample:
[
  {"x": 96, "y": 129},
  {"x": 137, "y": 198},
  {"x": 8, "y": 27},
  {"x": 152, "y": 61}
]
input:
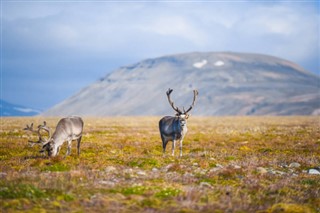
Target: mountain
[
  {"x": 228, "y": 84},
  {"x": 8, "y": 109}
]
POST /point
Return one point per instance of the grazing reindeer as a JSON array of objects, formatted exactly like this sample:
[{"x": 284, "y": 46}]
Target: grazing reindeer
[
  {"x": 68, "y": 129},
  {"x": 173, "y": 128}
]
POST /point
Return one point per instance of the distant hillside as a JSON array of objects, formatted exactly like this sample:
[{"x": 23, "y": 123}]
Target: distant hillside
[
  {"x": 8, "y": 109},
  {"x": 228, "y": 84}
]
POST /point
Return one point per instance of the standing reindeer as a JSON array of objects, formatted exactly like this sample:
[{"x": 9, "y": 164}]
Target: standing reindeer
[
  {"x": 173, "y": 128},
  {"x": 68, "y": 129}
]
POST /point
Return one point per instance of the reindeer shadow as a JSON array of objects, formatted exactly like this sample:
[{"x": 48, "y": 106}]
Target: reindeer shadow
[{"x": 35, "y": 157}]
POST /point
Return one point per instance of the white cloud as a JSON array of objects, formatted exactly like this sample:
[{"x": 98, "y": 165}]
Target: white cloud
[
  {"x": 176, "y": 27},
  {"x": 53, "y": 36},
  {"x": 282, "y": 29}
]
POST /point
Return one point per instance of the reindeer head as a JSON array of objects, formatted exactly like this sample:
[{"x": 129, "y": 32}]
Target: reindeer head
[
  {"x": 183, "y": 115},
  {"x": 46, "y": 143}
]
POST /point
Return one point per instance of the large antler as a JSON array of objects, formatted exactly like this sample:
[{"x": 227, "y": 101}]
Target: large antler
[
  {"x": 30, "y": 128},
  {"x": 195, "y": 94},
  {"x": 171, "y": 102},
  {"x": 45, "y": 128},
  {"x": 40, "y": 140}
]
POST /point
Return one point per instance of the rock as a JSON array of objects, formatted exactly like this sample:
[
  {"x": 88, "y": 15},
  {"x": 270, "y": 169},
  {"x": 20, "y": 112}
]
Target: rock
[
  {"x": 261, "y": 170},
  {"x": 200, "y": 171},
  {"x": 188, "y": 175},
  {"x": 277, "y": 172},
  {"x": 283, "y": 165},
  {"x": 110, "y": 169},
  {"x": 105, "y": 182},
  {"x": 195, "y": 164},
  {"x": 294, "y": 165},
  {"x": 244, "y": 142},
  {"x": 168, "y": 167},
  {"x": 215, "y": 169},
  {"x": 141, "y": 173},
  {"x": 237, "y": 167},
  {"x": 219, "y": 166},
  {"x": 128, "y": 171},
  {"x": 314, "y": 171},
  {"x": 3, "y": 174},
  {"x": 155, "y": 170},
  {"x": 291, "y": 171},
  {"x": 119, "y": 196},
  {"x": 205, "y": 185}
]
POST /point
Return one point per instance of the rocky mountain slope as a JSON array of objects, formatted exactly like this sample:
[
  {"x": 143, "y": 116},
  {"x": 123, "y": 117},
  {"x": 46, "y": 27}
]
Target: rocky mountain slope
[{"x": 228, "y": 84}]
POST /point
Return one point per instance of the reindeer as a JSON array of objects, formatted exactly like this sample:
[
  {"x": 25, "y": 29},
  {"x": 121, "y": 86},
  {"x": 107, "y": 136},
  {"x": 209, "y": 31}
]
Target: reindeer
[
  {"x": 68, "y": 129},
  {"x": 173, "y": 128}
]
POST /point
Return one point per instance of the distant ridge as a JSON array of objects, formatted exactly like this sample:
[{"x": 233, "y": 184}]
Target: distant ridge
[
  {"x": 9, "y": 109},
  {"x": 228, "y": 83}
]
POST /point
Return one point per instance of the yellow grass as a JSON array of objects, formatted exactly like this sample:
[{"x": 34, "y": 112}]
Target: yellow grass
[{"x": 230, "y": 164}]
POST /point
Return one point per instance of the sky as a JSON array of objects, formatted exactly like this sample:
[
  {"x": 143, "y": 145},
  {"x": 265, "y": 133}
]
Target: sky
[{"x": 50, "y": 50}]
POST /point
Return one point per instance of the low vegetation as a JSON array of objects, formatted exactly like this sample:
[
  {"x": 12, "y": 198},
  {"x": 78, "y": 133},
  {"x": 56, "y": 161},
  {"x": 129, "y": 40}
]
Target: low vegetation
[{"x": 229, "y": 164}]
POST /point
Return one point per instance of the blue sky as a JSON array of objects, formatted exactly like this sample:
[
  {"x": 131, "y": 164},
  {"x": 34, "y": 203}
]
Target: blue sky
[{"x": 52, "y": 49}]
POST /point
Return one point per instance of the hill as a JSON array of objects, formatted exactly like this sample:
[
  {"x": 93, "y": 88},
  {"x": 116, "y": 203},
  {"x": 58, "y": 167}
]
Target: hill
[
  {"x": 9, "y": 109},
  {"x": 228, "y": 84}
]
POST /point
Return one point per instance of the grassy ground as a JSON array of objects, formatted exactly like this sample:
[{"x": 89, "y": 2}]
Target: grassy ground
[{"x": 230, "y": 164}]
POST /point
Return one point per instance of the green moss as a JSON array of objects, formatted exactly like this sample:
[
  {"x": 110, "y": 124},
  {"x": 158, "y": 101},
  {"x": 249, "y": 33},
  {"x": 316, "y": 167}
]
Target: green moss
[
  {"x": 212, "y": 181},
  {"x": 176, "y": 167},
  {"x": 114, "y": 161},
  {"x": 167, "y": 193},
  {"x": 230, "y": 158},
  {"x": 144, "y": 163},
  {"x": 289, "y": 208},
  {"x": 20, "y": 205},
  {"x": 150, "y": 202},
  {"x": 58, "y": 167},
  {"x": 12, "y": 191},
  {"x": 310, "y": 182},
  {"x": 134, "y": 190},
  {"x": 196, "y": 150},
  {"x": 265, "y": 150},
  {"x": 66, "y": 197}
]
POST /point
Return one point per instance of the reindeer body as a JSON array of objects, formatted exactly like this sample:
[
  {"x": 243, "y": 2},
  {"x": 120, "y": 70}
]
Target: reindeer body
[
  {"x": 68, "y": 129},
  {"x": 174, "y": 128}
]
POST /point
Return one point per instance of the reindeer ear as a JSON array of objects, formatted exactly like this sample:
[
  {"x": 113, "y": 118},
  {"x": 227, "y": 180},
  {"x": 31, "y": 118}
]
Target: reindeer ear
[{"x": 187, "y": 116}]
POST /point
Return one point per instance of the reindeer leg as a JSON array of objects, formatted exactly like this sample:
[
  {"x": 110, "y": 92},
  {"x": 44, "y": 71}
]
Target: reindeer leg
[
  {"x": 78, "y": 145},
  {"x": 173, "y": 146},
  {"x": 69, "y": 147},
  {"x": 181, "y": 140},
  {"x": 164, "y": 144}
]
